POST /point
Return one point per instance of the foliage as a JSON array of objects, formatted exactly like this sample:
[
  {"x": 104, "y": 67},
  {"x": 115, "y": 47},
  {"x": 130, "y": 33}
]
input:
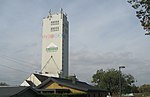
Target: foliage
[
  {"x": 143, "y": 91},
  {"x": 65, "y": 95},
  {"x": 110, "y": 80},
  {"x": 142, "y": 12},
  {"x": 144, "y": 88},
  {"x": 135, "y": 89},
  {"x": 3, "y": 84}
]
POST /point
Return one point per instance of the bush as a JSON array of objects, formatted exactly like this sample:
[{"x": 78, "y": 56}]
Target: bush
[{"x": 65, "y": 95}]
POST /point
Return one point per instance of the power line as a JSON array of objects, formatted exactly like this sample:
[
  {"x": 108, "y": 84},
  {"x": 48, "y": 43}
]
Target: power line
[
  {"x": 18, "y": 61},
  {"x": 14, "y": 68}
]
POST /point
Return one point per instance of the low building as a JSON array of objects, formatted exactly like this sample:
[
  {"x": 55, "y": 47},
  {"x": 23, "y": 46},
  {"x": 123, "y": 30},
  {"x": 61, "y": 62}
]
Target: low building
[
  {"x": 18, "y": 92},
  {"x": 61, "y": 85},
  {"x": 54, "y": 85}
]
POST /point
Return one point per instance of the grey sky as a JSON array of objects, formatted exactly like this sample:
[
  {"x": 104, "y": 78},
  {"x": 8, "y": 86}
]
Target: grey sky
[{"x": 103, "y": 34}]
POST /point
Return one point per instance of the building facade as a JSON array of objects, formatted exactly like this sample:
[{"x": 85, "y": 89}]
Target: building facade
[
  {"x": 55, "y": 85},
  {"x": 55, "y": 45},
  {"x": 18, "y": 91}
]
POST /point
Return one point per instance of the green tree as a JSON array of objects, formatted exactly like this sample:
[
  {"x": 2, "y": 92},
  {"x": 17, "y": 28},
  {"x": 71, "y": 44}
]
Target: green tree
[
  {"x": 3, "y": 84},
  {"x": 144, "y": 88},
  {"x": 135, "y": 89},
  {"x": 142, "y": 12},
  {"x": 109, "y": 80}
]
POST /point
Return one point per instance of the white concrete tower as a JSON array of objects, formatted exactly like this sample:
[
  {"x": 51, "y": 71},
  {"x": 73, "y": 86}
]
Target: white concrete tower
[{"x": 55, "y": 45}]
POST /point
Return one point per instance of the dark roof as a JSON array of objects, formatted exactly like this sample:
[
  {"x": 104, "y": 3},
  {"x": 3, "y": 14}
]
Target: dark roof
[
  {"x": 69, "y": 83},
  {"x": 53, "y": 90},
  {"x": 41, "y": 77},
  {"x": 30, "y": 83},
  {"x": 10, "y": 91}
]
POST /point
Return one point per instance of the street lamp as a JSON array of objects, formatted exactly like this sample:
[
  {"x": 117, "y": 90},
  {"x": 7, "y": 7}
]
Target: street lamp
[{"x": 120, "y": 67}]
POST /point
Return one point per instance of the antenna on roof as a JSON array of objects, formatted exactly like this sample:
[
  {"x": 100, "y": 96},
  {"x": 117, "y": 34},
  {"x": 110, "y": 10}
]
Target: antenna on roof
[
  {"x": 61, "y": 10},
  {"x": 50, "y": 11},
  {"x": 49, "y": 16}
]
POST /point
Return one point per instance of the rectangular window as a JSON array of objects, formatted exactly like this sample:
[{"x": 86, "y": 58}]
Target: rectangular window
[
  {"x": 54, "y": 22},
  {"x": 53, "y": 29}
]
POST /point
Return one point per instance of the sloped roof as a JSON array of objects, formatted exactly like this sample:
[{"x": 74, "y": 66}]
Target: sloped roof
[
  {"x": 30, "y": 83},
  {"x": 41, "y": 77},
  {"x": 10, "y": 91},
  {"x": 69, "y": 83}
]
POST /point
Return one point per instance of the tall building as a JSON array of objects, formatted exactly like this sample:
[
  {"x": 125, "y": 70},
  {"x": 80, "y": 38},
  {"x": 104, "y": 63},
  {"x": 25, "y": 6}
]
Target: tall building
[{"x": 55, "y": 45}]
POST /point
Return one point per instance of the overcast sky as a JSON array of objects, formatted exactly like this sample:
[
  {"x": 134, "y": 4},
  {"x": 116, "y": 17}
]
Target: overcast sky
[{"x": 104, "y": 34}]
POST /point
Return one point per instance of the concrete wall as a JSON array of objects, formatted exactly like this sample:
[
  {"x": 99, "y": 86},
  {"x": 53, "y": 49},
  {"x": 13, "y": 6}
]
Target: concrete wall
[{"x": 55, "y": 45}]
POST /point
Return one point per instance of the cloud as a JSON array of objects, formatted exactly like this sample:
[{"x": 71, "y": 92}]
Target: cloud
[
  {"x": 85, "y": 63},
  {"x": 102, "y": 35}
]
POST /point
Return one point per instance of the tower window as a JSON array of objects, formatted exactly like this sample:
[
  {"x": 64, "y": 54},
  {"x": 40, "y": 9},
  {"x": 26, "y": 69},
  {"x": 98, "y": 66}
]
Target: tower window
[
  {"x": 53, "y": 29},
  {"x": 54, "y": 22}
]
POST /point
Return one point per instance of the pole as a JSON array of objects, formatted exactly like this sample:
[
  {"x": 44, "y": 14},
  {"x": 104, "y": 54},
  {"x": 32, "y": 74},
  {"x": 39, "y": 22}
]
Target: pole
[
  {"x": 120, "y": 75},
  {"x": 119, "y": 82}
]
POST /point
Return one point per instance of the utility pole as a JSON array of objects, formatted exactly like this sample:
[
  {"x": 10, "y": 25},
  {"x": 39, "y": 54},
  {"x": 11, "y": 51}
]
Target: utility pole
[{"x": 120, "y": 75}]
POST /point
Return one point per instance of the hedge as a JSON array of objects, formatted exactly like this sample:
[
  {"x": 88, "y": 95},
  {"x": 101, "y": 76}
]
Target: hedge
[{"x": 65, "y": 95}]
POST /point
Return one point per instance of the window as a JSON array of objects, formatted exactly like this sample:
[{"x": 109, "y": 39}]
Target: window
[
  {"x": 53, "y": 29},
  {"x": 54, "y": 22}
]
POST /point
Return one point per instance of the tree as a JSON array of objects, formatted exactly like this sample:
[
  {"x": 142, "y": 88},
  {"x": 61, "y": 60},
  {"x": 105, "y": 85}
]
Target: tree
[
  {"x": 109, "y": 80},
  {"x": 3, "y": 84},
  {"x": 144, "y": 88},
  {"x": 135, "y": 89},
  {"x": 142, "y": 12}
]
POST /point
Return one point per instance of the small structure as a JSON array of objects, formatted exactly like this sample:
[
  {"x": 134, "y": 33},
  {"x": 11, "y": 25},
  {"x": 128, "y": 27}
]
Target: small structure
[
  {"x": 61, "y": 85},
  {"x": 34, "y": 80},
  {"x": 18, "y": 92},
  {"x": 54, "y": 85}
]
